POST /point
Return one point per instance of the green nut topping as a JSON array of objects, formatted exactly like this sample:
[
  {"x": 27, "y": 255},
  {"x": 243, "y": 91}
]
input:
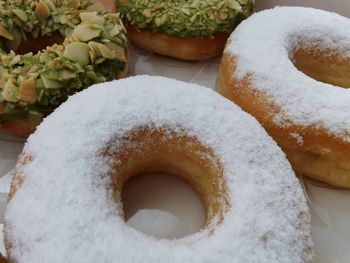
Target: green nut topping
[
  {"x": 186, "y": 18},
  {"x": 86, "y": 32},
  {"x": 4, "y": 33},
  {"x": 94, "y": 50},
  {"x": 78, "y": 52}
]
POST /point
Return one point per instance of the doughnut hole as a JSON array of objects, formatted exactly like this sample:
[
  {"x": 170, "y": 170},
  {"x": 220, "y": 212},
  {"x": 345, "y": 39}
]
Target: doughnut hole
[
  {"x": 323, "y": 65},
  {"x": 148, "y": 150},
  {"x": 162, "y": 205},
  {"x": 36, "y": 44}
]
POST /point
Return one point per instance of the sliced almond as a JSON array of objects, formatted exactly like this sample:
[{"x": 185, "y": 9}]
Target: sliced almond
[
  {"x": 67, "y": 74},
  {"x": 196, "y": 4},
  {"x": 91, "y": 17},
  {"x": 42, "y": 11},
  {"x": 94, "y": 51},
  {"x": 27, "y": 91},
  {"x": 115, "y": 30},
  {"x": 20, "y": 14},
  {"x": 234, "y": 5},
  {"x": 50, "y": 83},
  {"x": 105, "y": 51},
  {"x": 15, "y": 60},
  {"x": 4, "y": 33},
  {"x": 86, "y": 32},
  {"x": 10, "y": 92},
  {"x": 119, "y": 51},
  {"x": 78, "y": 52}
]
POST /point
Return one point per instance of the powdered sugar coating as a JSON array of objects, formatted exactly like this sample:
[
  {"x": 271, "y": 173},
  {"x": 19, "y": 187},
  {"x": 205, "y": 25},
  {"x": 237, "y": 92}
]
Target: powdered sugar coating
[
  {"x": 64, "y": 211},
  {"x": 262, "y": 47}
]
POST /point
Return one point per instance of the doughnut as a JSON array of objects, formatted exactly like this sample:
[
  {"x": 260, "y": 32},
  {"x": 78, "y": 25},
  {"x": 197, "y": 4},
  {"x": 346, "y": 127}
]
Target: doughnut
[
  {"x": 288, "y": 67},
  {"x": 2, "y": 259},
  {"x": 71, "y": 172},
  {"x": 94, "y": 49},
  {"x": 187, "y": 30}
]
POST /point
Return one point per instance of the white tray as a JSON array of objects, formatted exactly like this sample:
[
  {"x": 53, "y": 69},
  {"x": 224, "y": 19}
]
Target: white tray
[{"x": 330, "y": 208}]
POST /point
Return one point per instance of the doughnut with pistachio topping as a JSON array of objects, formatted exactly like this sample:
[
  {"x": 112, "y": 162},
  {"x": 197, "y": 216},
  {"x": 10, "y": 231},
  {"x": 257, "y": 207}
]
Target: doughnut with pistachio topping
[
  {"x": 184, "y": 29},
  {"x": 32, "y": 85}
]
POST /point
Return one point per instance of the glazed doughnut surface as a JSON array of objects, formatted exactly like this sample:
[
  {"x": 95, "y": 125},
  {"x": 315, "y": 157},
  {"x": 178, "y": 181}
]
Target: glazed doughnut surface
[
  {"x": 289, "y": 67},
  {"x": 72, "y": 169}
]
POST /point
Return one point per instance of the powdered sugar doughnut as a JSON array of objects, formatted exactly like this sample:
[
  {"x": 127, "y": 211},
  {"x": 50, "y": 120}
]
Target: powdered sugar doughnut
[
  {"x": 276, "y": 66},
  {"x": 71, "y": 171}
]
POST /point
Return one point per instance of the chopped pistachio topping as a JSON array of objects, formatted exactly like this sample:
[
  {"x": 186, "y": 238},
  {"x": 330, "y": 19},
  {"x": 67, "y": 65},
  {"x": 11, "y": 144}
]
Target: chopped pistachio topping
[
  {"x": 186, "y": 18},
  {"x": 94, "y": 50}
]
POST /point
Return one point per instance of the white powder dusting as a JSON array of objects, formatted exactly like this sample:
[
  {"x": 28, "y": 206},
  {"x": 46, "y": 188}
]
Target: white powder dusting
[
  {"x": 65, "y": 213},
  {"x": 299, "y": 139},
  {"x": 262, "y": 45}
]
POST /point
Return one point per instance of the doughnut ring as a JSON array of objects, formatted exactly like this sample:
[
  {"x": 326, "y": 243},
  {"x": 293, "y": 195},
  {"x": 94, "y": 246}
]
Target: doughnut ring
[
  {"x": 32, "y": 85},
  {"x": 255, "y": 208},
  {"x": 187, "y": 30},
  {"x": 288, "y": 67}
]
